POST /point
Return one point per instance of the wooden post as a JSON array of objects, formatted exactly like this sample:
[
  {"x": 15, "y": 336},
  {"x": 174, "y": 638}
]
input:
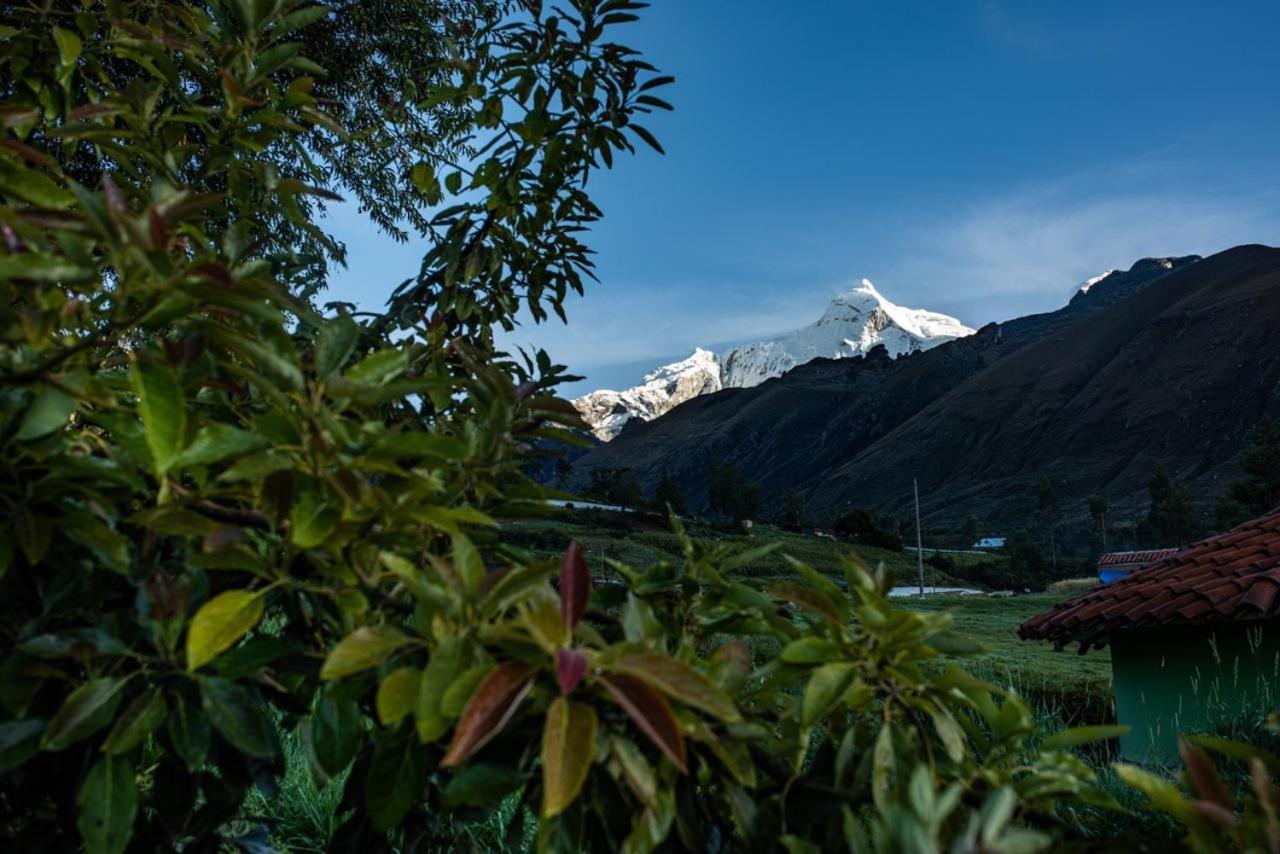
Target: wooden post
[{"x": 915, "y": 487}]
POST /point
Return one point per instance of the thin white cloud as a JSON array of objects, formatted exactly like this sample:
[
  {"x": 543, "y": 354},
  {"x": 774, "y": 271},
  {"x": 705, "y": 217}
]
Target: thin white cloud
[{"x": 1004, "y": 256}]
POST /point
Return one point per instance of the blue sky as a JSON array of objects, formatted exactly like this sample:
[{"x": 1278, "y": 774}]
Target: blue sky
[{"x": 976, "y": 158}]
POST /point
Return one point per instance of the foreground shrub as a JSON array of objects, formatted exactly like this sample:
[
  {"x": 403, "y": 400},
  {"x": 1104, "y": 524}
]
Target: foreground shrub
[{"x": 230, "y": 513}]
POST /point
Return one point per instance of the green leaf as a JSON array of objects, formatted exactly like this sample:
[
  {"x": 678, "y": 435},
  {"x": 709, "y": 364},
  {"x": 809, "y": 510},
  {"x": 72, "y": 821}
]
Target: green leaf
[
  {"x": 461, "y": 689},
  {"x": 424, "y": 179},
  {"x": 86, "y": 710},
  {"x": 140, "y": 719},
  {"x": 953, "y": 643},
  {"x": 367, "y": 646},
  {"x": 397, "y": 694},
  {"x": 50, "y": 411},
  {"x": 69, "y": 46},
  {"x": 189, "y": 733},
  {"x": 826, "y": 685},
  {"x": 680, "y": 682},
  {"x": 160, "y": 403},
  {"x": 442, "y": 668},
  {"x": 312, "y": 519},
  {"x": 272, "y": 359},
  {"x": 397, "y": 775},
  {"x": 950, "y": 733},
  {"x": 108, "y": 803},
  {"x": 19, "y": 741},
  {"x": 335, "y": 733},
  {"x": 236, "y": 713},
  {"x": 1164, "y": 795},
  {"x": 380, "y": 367},
  {"x": 568, "y": 750},
  {"x": 809, "y": 650},
  {"x": 217, "y": 442},
  {"x": 467, "y": 561},
  {"x": 1082, "y": 735},
  {"x": 481, "y": 786},
  {"x": 221, "y": 622},
  {"x": 335, "y": 343}
]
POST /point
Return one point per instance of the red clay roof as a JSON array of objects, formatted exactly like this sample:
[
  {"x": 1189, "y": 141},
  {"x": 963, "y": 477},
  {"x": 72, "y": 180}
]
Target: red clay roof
[
  {"x": 1228, "y": 578},
  {"x": 1129, "y": 558}
]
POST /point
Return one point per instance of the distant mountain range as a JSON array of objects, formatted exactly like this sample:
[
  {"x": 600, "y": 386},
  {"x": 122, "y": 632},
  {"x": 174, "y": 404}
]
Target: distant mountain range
[
  {"x": 856, "y": 321},
  {"x": 1168, "y": 363}
]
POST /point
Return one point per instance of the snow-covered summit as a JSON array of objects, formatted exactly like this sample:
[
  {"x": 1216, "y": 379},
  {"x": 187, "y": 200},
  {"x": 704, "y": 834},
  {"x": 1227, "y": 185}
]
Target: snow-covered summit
[
  {"x": 855, "y": 321},
  {"x": 662, "y": 390}
]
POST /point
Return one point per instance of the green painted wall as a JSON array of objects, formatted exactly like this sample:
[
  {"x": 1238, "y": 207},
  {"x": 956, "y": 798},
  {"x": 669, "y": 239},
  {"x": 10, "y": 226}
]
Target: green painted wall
[{"x": 1191, "y": 679}]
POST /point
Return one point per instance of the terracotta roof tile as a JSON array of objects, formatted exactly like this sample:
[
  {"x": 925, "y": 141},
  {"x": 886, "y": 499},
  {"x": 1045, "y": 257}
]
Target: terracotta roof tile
[
  {"x": 1132, "y": 558},
  {"x": 1233, "y": 576}
]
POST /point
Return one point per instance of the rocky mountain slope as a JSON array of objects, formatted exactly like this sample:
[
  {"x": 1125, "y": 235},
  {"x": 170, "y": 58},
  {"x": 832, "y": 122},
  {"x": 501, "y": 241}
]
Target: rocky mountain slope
[
  {"x": 1170, "y": 362},
  {"x": 856, "y": 321},
  {"x": 607, "y": 412}
]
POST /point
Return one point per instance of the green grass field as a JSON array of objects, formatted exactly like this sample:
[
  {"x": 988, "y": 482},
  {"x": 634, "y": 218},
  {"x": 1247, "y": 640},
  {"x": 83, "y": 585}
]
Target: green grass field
[
  {"x": 639, "y": 541},
  {"x": 1075, "y": 688}
]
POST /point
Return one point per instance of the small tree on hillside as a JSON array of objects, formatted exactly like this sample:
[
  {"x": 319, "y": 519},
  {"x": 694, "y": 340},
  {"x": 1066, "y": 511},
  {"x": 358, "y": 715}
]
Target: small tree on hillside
[
  {"x": 970, "y": 532},
  {"x": 1259, "y": 491},
  {"x": 791, "y": 511},
  {"x": 1099, "y": 507},
  {"x": 868, "y": 530},
  {"x": 1171, "y": 519},
  {"x": 669, "y": 494},
  {"x": 618, "y": 486},
  {"x": 729, "y": 493},
  {"x": 1049, "y": 504}
]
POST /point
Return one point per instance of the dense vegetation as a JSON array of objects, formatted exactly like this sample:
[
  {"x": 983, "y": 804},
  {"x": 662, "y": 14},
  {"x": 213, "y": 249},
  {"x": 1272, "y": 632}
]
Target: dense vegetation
[{"x": 232, "y": 514}]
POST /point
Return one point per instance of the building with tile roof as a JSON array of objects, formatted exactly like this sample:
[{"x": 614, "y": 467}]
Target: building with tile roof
[
  {"x": 1116, "y": 565},
  {"x": 1194, "y": 636}
]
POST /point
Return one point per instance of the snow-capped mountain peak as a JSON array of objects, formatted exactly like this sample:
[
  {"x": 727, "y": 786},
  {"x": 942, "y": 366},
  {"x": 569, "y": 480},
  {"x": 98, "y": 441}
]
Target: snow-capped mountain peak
[
  {"x": 663, "y": 389},
  {"x": 855, "y": 321}
]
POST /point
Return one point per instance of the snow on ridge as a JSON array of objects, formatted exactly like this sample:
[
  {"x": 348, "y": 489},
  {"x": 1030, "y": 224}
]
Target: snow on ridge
[
  {"x": 855, "y": 321},
  {"x": 1085, "y": 286}
]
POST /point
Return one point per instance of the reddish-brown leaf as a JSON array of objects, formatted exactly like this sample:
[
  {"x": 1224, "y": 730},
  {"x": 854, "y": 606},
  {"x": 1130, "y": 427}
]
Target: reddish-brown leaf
[
  {"x": 494, "y": 702},
  {"x": 571, "y": 666},
  {"x": 1204, "y": 776},
  {"x": 649, "y": 711},
  {"x": 575, "y": 585},
  {"x": 1216, "y": 813}
]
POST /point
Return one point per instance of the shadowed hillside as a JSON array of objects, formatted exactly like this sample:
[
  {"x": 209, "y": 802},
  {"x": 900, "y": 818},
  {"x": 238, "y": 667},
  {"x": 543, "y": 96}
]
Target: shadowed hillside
[{"x": 1168, "y": 363}]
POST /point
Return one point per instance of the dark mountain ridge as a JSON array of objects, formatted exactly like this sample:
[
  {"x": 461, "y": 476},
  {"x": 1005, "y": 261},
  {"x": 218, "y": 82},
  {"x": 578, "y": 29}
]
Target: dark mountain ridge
[{"x": 1169, "y": 363}]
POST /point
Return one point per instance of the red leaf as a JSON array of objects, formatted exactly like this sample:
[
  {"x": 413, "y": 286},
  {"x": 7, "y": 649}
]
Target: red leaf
[
  {"x": 575, "y": 585},
  {"x": 492, "y": 704},
  {"x": 571, "y": 666},
  {"x": 1204, "y": 777},
  {"x": 649, "y": 711}
]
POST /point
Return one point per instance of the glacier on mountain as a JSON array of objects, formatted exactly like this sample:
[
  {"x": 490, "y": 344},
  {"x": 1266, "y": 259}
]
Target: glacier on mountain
[{"x": 855, "y": 321}]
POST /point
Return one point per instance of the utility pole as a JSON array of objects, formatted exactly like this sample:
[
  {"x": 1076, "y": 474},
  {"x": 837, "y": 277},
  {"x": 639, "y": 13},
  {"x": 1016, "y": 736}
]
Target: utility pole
[{"x": 915, "y": 487}]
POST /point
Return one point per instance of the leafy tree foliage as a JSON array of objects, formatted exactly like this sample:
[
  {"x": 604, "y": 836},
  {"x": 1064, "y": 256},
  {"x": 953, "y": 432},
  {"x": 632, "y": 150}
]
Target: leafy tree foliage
[
  {"x": 1258, "y": 492},
  {"x": 1171, "y": 518},
  {"x": 618, "y": 486},
  {"x": 1099, "y": 510},
  {"x": 229, "y": 514},
  {"x": 862, "y": 526},
  {"x": 729, "y": 493},
  {"x": 668, "y": 493},
  {"x": 791, "y": 510}
]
